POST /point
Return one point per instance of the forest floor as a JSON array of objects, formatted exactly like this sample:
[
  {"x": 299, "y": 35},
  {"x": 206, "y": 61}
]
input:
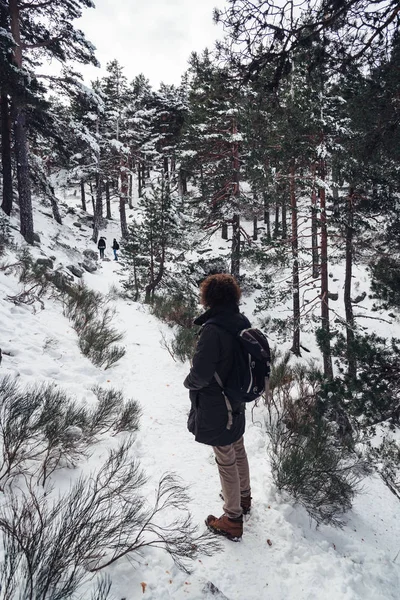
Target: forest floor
[{"x": 282, "y": 556}]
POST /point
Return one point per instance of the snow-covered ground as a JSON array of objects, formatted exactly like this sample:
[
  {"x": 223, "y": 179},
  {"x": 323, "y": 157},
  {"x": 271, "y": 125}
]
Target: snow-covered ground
[{"x": 282, "y": 555}]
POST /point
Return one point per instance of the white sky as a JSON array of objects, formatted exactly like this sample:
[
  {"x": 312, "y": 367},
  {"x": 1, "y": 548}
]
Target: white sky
[{"x": 154, "y": 37}]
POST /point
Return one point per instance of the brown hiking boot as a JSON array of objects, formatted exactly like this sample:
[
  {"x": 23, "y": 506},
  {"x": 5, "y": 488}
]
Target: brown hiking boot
[
  {"x": 245, "y": 503},
  {"x": 230, "y": 528}
]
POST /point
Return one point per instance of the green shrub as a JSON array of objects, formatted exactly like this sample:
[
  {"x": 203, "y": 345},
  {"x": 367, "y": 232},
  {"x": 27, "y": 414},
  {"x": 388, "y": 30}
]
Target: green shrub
[
  {"x": 184, "y": 343},
  {"x": 97, "y": 340},
  {"x": 374, "y": 394},
  {"x": 310, "y": 458},
  {"x": 5, "y": 234},
  {"x": 42, "y": 426},
  {"x": 386, "y": 458},
  {"x": 385, "y": 282},
  {"x": 92, "y": 322},
  {"x": 308, "y": 464},
  {"x": 174, "y": 310}
]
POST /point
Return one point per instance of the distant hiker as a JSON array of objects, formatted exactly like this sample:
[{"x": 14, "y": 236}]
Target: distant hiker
[
  {"x": 101, "y": 246},
  {"x": 115, "y": 247},
  {"x": 213, "y": 419}
]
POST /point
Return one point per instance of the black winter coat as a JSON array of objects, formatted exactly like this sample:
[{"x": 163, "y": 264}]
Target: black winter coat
[{"x": 208, "y": 417}]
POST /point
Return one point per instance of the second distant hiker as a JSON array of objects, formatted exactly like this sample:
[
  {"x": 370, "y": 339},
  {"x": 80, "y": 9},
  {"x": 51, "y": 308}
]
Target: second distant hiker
[
  {"x": 115, "y": 247},
  {"x": 101, "y": 246}
]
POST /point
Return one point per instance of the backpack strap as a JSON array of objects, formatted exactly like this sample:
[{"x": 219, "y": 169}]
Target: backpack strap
[{"x": 228, "y": 404}]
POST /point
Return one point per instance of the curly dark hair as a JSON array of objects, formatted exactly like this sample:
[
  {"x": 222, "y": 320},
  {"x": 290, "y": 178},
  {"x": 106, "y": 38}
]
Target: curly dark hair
[{"x": 219, "y": 290}]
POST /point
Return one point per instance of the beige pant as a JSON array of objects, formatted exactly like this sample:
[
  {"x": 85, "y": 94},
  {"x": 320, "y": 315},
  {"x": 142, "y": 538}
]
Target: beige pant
[{"x": 234, "y": 474}]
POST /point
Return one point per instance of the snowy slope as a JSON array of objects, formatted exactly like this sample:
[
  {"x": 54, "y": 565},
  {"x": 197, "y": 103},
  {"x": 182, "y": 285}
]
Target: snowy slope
[{"x": 282, "y": 556}]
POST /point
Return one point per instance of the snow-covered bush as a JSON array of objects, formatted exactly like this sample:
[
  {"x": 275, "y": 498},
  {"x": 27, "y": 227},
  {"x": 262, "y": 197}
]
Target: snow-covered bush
[
  {"x": 92, "y": 321},
  {"x": 103, "y": 518},
  {"x": 42, "y": 429},
  {"x": 33, "y": 275},
  {"x": 374, "y": 394},
  {"x": 385, "y": 282},
  {"x": 317, "y": 467},
  {"x": 176, "y": 309},
  {"x": 184, "y": 343},
  {"x": 317, "y": 472},
  {"x": 386, "y": 458},
  {"x": 5, "y": 238}
]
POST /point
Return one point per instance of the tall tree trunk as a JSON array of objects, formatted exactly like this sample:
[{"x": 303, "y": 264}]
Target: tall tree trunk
[
  {"x": 166, "y": 166},
  {"x": 267, "y": 216},
  {"x": 83, "y": 195},
  {"x": 183, "y": 181},
  {"x": 130, "y": 190},
  {"x": 139, "y": 180},
  {"x": 6, "y": 155},
  {"x": 351, "y": 361},
  {"x": 21, "y": 138},
  {"x": 295, "y": 269},
  {"x": 235, "y": 259},
  {"x": 235, "y": 252},
  {"x": 276, "y": 224},
  {"x": 284, "y": 215},
  {"x": 97, "y": 212},
  {"x": 54, "y": 205},
  {"x": 203, "y": 196},
  {"x": 23, "y": 174},
  {"x": 255, "y": 228},
  {"x": 93, "y": 200},
  {"x": 123, "y": 198},
  {"x": 224, "y": 230},
  {"x": 326, "y": 342},
  {"x": 108, "y": 200},
  {"x": 314, "y": 230}
]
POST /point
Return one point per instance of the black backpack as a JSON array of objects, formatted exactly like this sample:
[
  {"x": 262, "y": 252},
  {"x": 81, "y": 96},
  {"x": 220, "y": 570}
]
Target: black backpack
[{"x": 248, "y": 378}]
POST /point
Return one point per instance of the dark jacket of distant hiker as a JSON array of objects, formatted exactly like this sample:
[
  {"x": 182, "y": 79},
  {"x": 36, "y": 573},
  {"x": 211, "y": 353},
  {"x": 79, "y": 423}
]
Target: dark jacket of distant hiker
[
  {"x": 208, "y": 417},
  {"x": 115, "y": 245},
  {"x": 102, "y": 243}
]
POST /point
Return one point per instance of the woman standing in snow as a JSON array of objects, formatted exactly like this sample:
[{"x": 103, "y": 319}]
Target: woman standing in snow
[{"x": 209, "y": 419}]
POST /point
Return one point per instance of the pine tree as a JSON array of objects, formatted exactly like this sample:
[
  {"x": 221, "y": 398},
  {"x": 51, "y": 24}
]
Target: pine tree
[{"x": 38, "y": 28}]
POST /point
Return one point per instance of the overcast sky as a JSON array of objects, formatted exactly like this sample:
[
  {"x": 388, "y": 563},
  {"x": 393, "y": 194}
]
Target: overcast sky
[{"x": 154, "y": 37}]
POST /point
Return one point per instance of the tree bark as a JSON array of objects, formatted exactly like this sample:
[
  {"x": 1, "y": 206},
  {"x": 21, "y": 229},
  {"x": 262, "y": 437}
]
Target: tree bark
[
  {"x": 351, "y": 361},
  {"x": 183, "y": 181},
  {"x": 6, "y": 156},
  {"x": 314, "y": 231},
  {"x": 326, "y": 348},
  {"x": 295, "y": 269},
  {"x": 97, "y": 213},
  {"x": 267, "y": 216},
  {"x": 54, "y": 205},
  {"x": 21, "y": 138},
  {"x": 255, "y": 228},
  {"x": 235, "y": 258},
  {"x": 108, "y": 200},
  {"x": 83, "y": 195},
  {"x": 224, "y": 230},
  {"x": 123, "y": 198},
  {"x": 139, "y": 179},
  {"x": 130, "y": 191},
  {"x": 284, "y": 215},
  {"x": 276, "y": 224}
]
